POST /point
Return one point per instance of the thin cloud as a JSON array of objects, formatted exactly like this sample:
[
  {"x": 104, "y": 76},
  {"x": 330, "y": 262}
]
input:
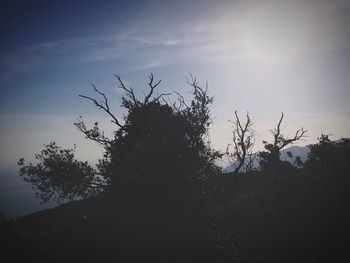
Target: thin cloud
[
  {"x": 139, "y": 44},
  {"x": 217, "y": 35}
]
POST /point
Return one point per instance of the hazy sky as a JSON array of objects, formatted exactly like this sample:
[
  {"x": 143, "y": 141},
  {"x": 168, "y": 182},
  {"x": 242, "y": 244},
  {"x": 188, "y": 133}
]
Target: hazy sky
[{"x": 258, "y": 56}]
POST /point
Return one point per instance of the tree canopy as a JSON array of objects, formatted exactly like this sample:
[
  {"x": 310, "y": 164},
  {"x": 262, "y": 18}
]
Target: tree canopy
[{"x": 158, "y": 145}]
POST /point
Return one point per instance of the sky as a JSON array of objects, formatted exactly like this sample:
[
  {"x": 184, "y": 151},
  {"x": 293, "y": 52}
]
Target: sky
[{"x": 261, "y": 57}]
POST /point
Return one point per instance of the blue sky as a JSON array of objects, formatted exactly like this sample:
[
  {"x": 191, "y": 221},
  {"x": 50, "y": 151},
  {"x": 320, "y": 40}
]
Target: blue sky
[{"x": 258, "y": 56}]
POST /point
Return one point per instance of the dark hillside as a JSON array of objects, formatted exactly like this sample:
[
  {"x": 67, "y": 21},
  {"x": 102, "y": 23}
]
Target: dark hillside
[
  {"x": 295, "y": 215},
  {"x": 93, "y": 230}
]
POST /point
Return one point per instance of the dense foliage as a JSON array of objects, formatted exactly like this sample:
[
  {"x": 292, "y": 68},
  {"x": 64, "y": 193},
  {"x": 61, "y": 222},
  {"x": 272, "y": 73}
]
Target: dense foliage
[{"x": 59, "y": 176}]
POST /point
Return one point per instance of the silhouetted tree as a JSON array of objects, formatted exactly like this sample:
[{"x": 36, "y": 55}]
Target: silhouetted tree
[
  {"x": 58, "y": 176},
  {"x": 157, "y": 147},
  {"x": 155, "y": 174},
  {"x": 160, "y": 162},
  {"x": 241, "y": 156},
  {"x": 330, "y": 162},
  {"x": 271, "y": 157},
  {"x": 327, "y": 154}
]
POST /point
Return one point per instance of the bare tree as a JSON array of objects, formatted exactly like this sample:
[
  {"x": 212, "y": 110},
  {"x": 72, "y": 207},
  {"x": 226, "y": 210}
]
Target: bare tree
[
  {"x": 279, "y": 142},
  {"x": 241, "y": 155}
]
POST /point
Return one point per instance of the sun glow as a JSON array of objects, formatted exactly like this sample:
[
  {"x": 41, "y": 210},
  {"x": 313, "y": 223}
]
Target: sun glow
[{"x": 273, "y": 33}]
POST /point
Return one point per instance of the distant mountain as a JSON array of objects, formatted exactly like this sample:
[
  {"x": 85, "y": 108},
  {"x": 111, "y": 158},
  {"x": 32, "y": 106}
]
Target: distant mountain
[
  {"x": 301, "y": 151},
  {"x": 230, "y": 168}
]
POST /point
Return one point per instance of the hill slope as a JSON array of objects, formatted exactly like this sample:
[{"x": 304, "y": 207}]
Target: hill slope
[{"x": 102, "y": 229}]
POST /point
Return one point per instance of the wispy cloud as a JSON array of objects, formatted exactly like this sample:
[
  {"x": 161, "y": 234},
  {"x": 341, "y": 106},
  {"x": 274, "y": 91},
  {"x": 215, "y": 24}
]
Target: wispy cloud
[
  {"x": 141, "y": 44},
  {"x": 214, "y": 35},
  {"x": 41, "y": 54}
]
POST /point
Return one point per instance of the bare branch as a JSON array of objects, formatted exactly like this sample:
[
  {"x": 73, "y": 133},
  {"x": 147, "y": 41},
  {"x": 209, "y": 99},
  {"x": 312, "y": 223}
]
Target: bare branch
[
  {"x": 152, "y": 87},
  {"x": 130, "y": 100},
  {"x": 181, "y": 102},
  {"x": 102, "y": 94},
  {"x": 243, "y": 142},
  {"x": 277, "y": 131},
  {"x": 103, "y": 105},
  {"x": 129, "y": 93},
  {"x": 280, "y": 141},
  {"x": 92, "y": 134},
  {"x": 299, "y": 134},
  {"x": 160, "y": 96}
]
